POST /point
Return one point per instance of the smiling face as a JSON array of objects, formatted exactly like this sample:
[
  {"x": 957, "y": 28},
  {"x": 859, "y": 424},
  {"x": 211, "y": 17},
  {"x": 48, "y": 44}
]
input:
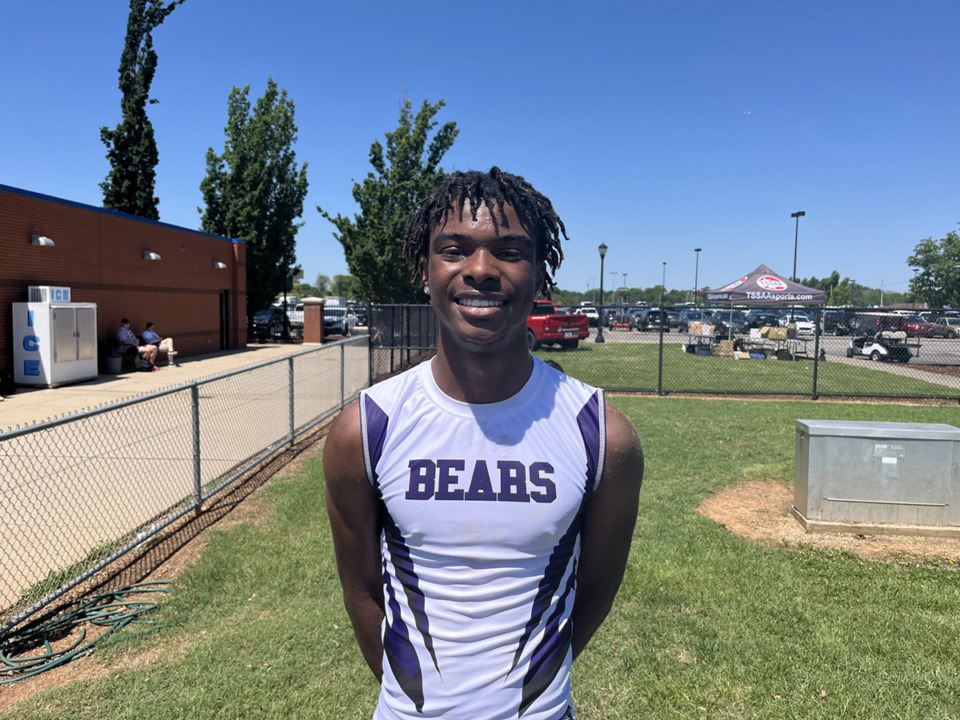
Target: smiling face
[{"x": 483, "y": 277}]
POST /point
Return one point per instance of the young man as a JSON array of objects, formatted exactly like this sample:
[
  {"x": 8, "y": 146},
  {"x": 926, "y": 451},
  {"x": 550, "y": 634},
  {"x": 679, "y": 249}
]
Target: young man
[{"x": 482, "y": 504}]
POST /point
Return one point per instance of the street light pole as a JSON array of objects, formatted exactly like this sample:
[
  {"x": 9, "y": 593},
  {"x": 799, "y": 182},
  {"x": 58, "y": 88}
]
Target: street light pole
[
  {"x": 603, "y": 253},
  {"x": 625, "y": 288},
  {"x": 663, "y": 284},
  {"x": 799, "y": 214},
  {"x": 696, "y": 278}
]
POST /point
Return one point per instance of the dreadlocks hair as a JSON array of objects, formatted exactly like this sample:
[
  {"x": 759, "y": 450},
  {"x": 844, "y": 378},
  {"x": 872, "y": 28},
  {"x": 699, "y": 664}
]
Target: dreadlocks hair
[{"x": 491, "y": 188}]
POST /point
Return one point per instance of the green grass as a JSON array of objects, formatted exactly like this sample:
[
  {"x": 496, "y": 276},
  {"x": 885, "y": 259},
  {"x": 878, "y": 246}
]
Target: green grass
[
  {"x": 634, "y": 366},
  {"x": 706, "y": 625}
]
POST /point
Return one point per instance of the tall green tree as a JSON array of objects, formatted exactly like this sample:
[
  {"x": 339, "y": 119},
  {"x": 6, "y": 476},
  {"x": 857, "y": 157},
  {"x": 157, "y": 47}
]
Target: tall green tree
[
  {"x": 402, "y": 176},
  {"x": 131, "y": 146},
  {"x": 937, "y": 264},
  {"x": 322, "y": 284},
  {"x": 344, "y": 285},
  {"x": 254, "y": 191}
]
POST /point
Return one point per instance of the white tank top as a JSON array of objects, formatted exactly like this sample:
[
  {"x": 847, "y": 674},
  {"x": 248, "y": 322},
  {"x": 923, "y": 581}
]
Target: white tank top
[{"x": 483, "y": 506}]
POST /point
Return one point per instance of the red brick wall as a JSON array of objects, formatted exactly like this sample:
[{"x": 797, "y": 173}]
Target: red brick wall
[{"x": 99, "y": 255}]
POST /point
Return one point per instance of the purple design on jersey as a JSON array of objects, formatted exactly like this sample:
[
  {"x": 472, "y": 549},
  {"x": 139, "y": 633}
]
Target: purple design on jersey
[
  {"x": 550, "y": 583},
  {"x": 375, "y": 432},
  {"x": 410, "y": 581},
  {"x": 548, "y": 657},
  {"x": 401, "y": 654},
  {"x": 589, "y": 421}
]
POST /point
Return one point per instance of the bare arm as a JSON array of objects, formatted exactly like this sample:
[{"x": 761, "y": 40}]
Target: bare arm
[
  {"x": 353, "y": 507},
  {"x": 607, "y": 528}
]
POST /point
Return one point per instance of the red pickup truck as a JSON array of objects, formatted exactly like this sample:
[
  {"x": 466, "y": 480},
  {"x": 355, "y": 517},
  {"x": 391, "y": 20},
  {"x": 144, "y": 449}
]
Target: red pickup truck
[{"x": 545, "y": 326}]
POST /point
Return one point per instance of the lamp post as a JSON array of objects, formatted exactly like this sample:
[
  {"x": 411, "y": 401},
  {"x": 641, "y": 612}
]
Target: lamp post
[
  {"x": 663, "y": 285},
  {"x": 799, "y": 214},
  {"x": 603, "y": 253},
  {"x": 625, "y": 288},
  {"x": 696, "y": 278}
]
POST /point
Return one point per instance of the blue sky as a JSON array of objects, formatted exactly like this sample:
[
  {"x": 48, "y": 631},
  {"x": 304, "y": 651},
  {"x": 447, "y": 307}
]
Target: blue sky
[{"x": 654, "y": 127}]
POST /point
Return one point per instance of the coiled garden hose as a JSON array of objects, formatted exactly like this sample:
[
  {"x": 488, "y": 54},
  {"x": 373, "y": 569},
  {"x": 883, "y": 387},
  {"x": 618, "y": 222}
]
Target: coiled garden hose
[{"x": 115, "y": 610}]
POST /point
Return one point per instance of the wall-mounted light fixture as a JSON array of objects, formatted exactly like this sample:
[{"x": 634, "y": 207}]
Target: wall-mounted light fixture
[
  {"x": 41, "y": 241},
  {"x": 219, "y": 265},
  {"x": 148, "y": 255}
]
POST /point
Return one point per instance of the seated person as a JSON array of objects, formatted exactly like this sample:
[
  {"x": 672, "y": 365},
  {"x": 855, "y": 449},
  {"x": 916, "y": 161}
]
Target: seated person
[
  {"x": 127, "y": 339},
  {"x": 150, "y": 337}
]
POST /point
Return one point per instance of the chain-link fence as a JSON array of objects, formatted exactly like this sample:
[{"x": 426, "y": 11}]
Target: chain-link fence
[
  {"x": 814, "y": 352},
  {"x": 400, "y": 336},
  {"x": 79, "y": 492}
]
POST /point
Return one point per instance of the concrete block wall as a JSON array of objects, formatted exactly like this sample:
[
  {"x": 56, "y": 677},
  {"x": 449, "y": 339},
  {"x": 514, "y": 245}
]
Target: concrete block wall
[{"x": 99, "y": 255}]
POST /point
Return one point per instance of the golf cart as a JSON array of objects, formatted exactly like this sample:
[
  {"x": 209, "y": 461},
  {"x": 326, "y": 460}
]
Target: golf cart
[{"x": 885, "y": 346}]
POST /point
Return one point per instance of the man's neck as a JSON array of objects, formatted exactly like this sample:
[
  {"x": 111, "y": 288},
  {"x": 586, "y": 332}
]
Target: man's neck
[{"x": 481, "y": 378}]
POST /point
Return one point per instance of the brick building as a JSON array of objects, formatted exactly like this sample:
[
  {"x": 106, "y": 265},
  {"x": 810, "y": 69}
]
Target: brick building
[{"x": 191, "y": 284}]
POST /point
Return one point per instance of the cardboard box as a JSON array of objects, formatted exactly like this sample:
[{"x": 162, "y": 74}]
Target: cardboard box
[
  {"x": 774, "y": 333},
  {"x": 701, "y": 328}
]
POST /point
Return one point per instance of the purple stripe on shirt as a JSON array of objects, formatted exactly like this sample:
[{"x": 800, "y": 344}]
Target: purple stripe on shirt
[
  {"x": 375, "y": 433},
  {"x": 589, "y": 421}
]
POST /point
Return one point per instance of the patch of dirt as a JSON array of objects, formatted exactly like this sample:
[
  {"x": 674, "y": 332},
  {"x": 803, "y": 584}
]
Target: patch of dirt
[
  {"x": 951, "y": 370},
  {"x": 760, "y": 511},
  {"x": 164, "y": 559}
]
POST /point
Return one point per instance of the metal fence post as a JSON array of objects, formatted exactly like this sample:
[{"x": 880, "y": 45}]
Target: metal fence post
[
  {"x": 370, "y": 327},
  {"x": 290, "y": 398},
  {"x": 393, "y": 330},
  {"x": 342, "y": 372},
  {"x": 816, "y": 354},
  {"x": 660, "y": 360},
  {"x": 197, "y": 480}
]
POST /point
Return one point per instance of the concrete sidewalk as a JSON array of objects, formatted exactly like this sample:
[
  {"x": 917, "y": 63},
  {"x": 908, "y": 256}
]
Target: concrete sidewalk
[{"x": 33, "y": 405}]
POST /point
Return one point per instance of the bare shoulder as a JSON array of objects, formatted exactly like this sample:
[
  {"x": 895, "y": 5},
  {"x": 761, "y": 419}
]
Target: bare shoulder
[
  {"x": 624, "y": 452},
  {"x": 343, "y": 448}
]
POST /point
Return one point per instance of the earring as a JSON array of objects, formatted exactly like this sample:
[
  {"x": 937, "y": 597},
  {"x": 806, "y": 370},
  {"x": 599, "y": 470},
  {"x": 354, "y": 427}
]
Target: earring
[{"x": 426, "y": 289}]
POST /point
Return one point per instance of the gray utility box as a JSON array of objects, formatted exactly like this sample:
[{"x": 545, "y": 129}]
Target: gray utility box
[{"x": 877, "y": 477}]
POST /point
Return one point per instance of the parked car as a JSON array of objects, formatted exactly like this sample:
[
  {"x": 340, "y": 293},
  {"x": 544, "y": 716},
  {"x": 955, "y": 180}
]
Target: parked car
[
  {"x": 593, "y": 315},
  {"x": 916, "y": 326},
  {"x": 837, "y": 320},
  {"x": 651, "y": 319},
  {"x": 295, "y": 315},
  {"x": 885, "y": 346},
  {"x": 339, "y": 321},
  {"x": 724, "y": 321},
  {"x": 623, "y": 315},
  {"x": 870, "y": 323},
  {"x": 762, "y": 318},
  {"x": 689, "y": 315},
  {"x": 947, "y": 327},
  {"x": 673, "y": 318},
  {"x": 804, "y": 320},
  {"x": 267, "y": 325},
  {"x": 547, "y": 326}
]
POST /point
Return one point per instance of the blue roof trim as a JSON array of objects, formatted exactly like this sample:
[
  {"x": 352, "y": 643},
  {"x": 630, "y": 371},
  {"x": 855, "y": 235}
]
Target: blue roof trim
[{"x": 82, "y": 206}]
